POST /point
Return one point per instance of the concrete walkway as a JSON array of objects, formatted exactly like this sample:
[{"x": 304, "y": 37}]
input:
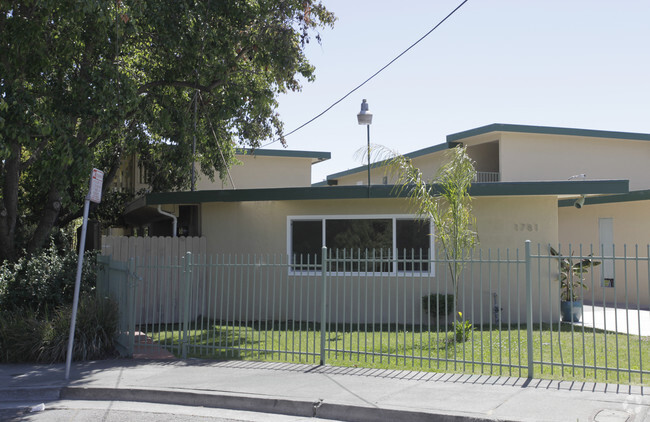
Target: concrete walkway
[
  {"x": 350, "y": 394},
  {"x": 621, "y": 320}
]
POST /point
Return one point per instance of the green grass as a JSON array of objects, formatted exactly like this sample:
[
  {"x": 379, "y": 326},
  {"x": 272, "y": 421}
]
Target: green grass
[{"x": 560, "y": 352}]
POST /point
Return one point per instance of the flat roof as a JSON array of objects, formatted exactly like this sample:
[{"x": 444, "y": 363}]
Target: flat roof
[
  {"x": 637, "y": 195},
  {"x": 546, "y": 130},
  {"x": 583, "y": 187},
  {"x": 316, "y": 156},
  {"x": 501, "y": 127}
]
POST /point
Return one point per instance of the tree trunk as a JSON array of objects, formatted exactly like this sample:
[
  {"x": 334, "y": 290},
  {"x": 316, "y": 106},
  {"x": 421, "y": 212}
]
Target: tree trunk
[
  {"x": 9, "y": 203},
  {"x": 48, "y": 217}
]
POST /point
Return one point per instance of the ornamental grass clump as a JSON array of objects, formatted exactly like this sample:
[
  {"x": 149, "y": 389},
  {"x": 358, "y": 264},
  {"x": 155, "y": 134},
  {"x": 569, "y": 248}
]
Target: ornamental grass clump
[{"x": 27, "y": 336}]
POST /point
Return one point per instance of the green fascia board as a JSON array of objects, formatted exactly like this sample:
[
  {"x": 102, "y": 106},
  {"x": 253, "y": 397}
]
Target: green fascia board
[
  {"x": 316, "y": 156},
  {"x": 414, "y": 154},
  {"x": 637, "y": 195},
  {"x": 317, "y": 184},
  {"x": 546, "y": 130},
  {"x": 384, "y": 191},
  {"x": 560, "y": 187}
]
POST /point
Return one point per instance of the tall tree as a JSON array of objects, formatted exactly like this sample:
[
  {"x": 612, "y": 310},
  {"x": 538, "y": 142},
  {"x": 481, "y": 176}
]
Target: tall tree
[{"x": 86, "y": 83}]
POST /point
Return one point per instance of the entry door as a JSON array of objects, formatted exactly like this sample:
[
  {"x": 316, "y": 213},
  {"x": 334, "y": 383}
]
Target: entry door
[{"x": 606, "y": 242}]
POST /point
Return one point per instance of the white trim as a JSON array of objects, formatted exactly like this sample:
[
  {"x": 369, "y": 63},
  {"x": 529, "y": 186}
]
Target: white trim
[{"x": 393, "y": 217}]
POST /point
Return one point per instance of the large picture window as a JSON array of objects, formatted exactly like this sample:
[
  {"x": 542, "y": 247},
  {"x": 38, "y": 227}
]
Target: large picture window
[{"x": 361, "y": 244}]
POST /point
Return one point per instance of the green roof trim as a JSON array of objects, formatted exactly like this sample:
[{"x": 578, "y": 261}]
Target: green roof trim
[
  {"x": 546, "y": 130},
  {"x": 414, "y": 154},
  {"x": 382, "y": 191},
  {"x": 638, "y": 195},
  {"x": 317, "y": 156}
]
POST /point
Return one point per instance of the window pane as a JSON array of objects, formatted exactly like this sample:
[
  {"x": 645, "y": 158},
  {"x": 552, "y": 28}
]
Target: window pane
[
  {"x": 355, "y": 238},
  {"x": 306, "y": 241},
  {"x": 413, "y": 240}
]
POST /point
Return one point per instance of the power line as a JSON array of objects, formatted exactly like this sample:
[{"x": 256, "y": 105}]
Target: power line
[{"x": 371, "y": 77}]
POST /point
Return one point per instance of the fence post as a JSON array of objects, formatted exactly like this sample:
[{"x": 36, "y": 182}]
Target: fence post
[
  {"x": 323, "y": 303},
  {"x": 131, "y": 284},
  {"x": 186, "y": 303},
  {"x": 529, "y": 309}
]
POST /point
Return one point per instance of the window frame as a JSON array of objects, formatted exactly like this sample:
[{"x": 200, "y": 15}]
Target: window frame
[{"x": 393, "y": 217}]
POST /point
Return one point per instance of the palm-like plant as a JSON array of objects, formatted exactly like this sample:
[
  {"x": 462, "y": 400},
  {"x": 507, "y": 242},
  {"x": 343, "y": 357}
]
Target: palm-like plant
[
  {"x": 572, "y": 275},
  {"x": 445, "y": 201}
]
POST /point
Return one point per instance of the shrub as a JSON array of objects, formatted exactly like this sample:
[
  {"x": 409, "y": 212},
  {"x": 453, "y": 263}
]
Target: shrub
[
  {"x": 438, "y": 305},
  {"x": 26, "y": 336},
  {"x": 21, "y": 336},
  {"x": 44, "y": 280}
]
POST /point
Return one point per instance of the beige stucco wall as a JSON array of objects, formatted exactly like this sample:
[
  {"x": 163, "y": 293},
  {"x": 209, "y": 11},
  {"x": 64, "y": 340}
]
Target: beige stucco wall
[
  {"x": 485, "y": 155},
  {"x": 262, "y": 172},
  {"x": 631, "y": 226},
  {"x": 254, "y": 172},
  {"x": 503, "y": 223},
  {"x": 428, "y": 165},
  {"x": 525, "y": 157}
]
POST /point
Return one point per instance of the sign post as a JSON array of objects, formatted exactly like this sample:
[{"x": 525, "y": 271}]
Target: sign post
[{"x": 94, "y": 195}]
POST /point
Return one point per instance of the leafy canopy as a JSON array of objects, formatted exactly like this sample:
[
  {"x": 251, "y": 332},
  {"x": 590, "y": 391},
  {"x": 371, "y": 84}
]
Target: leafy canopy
[{"x": 89, "y": 83}]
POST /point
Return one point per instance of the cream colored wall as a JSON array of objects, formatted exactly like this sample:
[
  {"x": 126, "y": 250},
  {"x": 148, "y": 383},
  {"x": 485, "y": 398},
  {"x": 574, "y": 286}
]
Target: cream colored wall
[
  {"x": 262, "y": 172},
  {"x": 631, "y": 227},
  {"x": 485, "y": 156},
  {"x": 254, "y": 172},
  {"x": 527, "y": 157},
  {"x": 428, "y": 165},
  {"x": 503, "y": 223}
]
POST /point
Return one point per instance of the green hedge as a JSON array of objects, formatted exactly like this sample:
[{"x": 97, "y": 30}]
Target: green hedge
[{"x": 438, "y": 305}]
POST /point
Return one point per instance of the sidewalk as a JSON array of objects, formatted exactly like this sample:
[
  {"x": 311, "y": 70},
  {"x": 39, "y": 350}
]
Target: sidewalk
[{"x": 351, "y": 394}]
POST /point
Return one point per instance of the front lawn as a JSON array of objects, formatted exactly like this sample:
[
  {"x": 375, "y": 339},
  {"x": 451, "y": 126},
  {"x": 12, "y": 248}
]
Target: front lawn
[{"x": 559, "y": 352}]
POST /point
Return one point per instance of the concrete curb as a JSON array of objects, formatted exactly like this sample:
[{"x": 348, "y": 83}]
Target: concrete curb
[
  {"x": 301, "y": 408},
  {"x": 29, "y": 394}
]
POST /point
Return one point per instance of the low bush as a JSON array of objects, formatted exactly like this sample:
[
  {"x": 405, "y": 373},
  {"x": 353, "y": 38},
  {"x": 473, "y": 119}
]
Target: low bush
[
  {"x": 26, "y": 336},
  {"x": 438, "y": 305},
  {"x": 44, "y": 280}
]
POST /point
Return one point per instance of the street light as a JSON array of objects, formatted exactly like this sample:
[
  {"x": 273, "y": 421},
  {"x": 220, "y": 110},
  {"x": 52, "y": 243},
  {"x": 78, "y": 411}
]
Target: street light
[{"x": 365, "y": 118}]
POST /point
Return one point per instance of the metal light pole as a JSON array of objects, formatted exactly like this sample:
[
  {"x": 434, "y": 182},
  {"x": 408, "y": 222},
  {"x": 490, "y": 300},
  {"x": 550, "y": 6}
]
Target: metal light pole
[{"x": 365, "y": 118}]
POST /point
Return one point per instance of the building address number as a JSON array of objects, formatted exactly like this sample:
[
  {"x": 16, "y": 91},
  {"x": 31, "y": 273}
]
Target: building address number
[{"x": 525, "y": 227}]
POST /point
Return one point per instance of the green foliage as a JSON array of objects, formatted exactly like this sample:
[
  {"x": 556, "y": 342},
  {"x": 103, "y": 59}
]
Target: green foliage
[
  {"x": 26, "y": 336},
  {"x": 438, "y": 305},
  {"x": 572, "y": 275},
  {"x": 44, "y": 280},
  {"x": 86, "y": 84},
  {"x": 445, "y": 200},
  {"x": 462, "y": 329}
]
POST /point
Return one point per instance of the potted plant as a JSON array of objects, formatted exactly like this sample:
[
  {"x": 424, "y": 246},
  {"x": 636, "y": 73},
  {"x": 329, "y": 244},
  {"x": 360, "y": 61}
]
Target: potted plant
[{"x": 572, "y": 284}]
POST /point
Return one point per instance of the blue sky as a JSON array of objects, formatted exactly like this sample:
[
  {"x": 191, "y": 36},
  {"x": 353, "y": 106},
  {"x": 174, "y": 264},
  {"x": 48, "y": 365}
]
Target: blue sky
[{"x": 582, "y": 64}]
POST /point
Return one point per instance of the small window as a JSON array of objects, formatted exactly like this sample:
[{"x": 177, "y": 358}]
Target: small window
[{"x": 608, "y": 282}]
